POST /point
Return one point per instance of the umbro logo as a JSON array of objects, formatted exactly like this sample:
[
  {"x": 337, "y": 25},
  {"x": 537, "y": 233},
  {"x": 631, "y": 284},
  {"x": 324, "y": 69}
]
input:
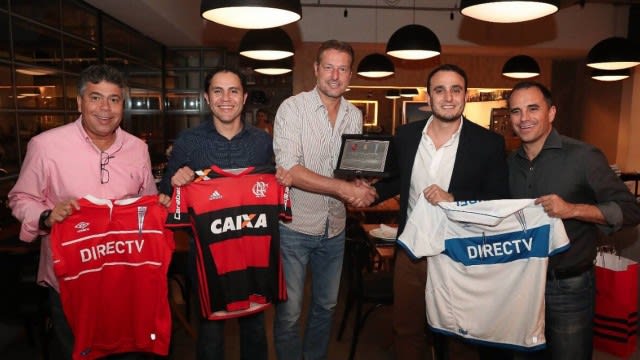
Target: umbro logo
[
  {"x": 215, "y": 195},
  {"x": 82, "y": 226}
]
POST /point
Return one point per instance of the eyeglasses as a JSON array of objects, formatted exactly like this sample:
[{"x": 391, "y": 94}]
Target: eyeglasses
[{"x": 104, "y": 173}]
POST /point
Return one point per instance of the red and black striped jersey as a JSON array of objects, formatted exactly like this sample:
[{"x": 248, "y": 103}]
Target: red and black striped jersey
[
  {"x": 111, "y": 260},
  {"x": 234, "y": 216}
]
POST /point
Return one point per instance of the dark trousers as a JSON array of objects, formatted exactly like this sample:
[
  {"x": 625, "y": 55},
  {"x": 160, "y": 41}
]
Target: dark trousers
[
  {"x": 253, "y": 341},
  {"x": 569, "y": 309},
  {"x": 409, "y": 309}
]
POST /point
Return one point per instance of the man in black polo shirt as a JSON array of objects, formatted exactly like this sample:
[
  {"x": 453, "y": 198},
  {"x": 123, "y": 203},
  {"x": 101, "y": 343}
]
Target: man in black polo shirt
[{"x": 572, "y": 181}]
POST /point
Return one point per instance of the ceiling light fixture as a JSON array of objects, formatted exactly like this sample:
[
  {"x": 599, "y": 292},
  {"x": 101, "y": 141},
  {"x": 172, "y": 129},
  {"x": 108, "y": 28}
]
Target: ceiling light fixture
[
  {"x": 613, "y": 53},
  {"x": 610, "y": 75},
  {"x": 521, "y": 67},
  {"x": 392, "y": 94},
  {"x": 508, "y": 11},
  {"x": 266, "y": 44},
  {"x": 274, "y": 67},
  {"x": 251, "y": 14},
  {"x": 375, "y": 66},
  {"x": 413, "y": 42},
  {"x": 409, "y": 93},
  {"x": 34, "y": 71}
]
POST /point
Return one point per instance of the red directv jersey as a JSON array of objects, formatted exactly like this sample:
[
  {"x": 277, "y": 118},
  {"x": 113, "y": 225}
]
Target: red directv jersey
[
  {"x": 111, "y": 260},
  {"x": 234, "y": 217}
]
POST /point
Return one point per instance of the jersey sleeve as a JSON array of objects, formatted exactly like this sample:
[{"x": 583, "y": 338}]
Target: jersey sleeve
[
  {"x": 59, "y": 265},
  {"x": 178, "y": 215},
  {"x": 423, "y": 235},
  {"x": 285, "y": 203},
  {"x": 559, "y": 238}
]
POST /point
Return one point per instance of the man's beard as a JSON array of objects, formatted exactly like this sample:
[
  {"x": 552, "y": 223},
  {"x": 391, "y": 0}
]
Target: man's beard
[{"x": 446, "y": 118}]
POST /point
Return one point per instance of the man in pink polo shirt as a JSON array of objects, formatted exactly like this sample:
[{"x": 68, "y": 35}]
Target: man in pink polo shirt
[{"x": 91, "y": 156}]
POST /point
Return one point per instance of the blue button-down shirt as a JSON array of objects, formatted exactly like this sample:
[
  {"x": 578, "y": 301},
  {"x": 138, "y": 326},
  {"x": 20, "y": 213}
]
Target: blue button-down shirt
[{"x": 202, "y": 146}]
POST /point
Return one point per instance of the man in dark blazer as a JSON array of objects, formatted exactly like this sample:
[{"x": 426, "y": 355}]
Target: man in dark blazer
[{"x": 444, "y": 158}]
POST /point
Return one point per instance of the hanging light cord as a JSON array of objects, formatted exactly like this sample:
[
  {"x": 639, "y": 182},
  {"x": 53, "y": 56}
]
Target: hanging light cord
[{"x": 414, "y": 11}]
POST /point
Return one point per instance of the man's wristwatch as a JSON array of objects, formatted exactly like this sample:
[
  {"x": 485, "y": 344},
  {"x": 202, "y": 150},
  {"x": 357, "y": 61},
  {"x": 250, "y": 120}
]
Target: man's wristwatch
[{"x": 42, "y": 222}]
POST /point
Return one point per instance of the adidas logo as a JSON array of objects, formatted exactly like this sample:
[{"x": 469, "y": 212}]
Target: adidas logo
[{"x": 215, "y": 195}]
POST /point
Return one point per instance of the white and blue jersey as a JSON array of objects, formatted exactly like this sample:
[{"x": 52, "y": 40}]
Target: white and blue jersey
[{"x": 487, "y": 268}]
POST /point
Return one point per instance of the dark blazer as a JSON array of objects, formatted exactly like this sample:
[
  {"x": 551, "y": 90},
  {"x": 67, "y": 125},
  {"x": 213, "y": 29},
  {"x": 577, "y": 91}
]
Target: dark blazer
[{"x": 479, "y": 173}]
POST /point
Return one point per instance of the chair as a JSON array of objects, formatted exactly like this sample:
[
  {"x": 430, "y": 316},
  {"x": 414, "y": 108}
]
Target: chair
[{"x": 364, "y": 286}]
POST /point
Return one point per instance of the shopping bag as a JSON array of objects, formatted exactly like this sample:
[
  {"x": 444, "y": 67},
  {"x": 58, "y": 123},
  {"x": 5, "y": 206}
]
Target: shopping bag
[{"x": 616, "y": 305}]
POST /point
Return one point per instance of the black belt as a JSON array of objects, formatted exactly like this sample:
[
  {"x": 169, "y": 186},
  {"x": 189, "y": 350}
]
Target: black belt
[{"x": 560, "y": 274}]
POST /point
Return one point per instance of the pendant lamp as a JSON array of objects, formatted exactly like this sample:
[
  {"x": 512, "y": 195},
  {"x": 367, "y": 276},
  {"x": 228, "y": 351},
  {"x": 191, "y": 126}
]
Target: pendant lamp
[
  {"x": 413, "y": 42},
  {"x": 507, "y": 11},
  {"x": 274, "y": 67},
  {"x": 610, "y": 75},
  {"x": 521, "y": 67},
  {"x": 409, "y": 93},
  {"x": 614, "y": 53},
  {"x": 392, "y": 94},
  {"x": 375, "y": 66},
  {"x": 266, "y": 44},
  {"x": 251, "y": 14}
]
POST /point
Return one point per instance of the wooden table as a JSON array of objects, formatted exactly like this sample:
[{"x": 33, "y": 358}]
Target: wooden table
[
  {"x": 385, "y": 250},
  {"x": 385, "y": 211}
]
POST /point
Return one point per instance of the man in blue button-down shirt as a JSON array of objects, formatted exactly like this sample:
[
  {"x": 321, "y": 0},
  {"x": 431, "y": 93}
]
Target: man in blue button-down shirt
[{"x": 226, "y": 141}]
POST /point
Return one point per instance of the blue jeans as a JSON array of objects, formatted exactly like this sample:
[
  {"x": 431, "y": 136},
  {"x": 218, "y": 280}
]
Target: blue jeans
[
  {"x": 253, "y": 341},
  {"x": 324, "y": 255},
  {"x": 568, "y": 319}
]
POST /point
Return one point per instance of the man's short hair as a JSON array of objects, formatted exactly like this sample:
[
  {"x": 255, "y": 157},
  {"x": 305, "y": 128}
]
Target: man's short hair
[
  {"x": 101, "y": 72},
  {"x": 219, "y": 69},
  {"x": 546, "y": 93},
  {"x": 335, "y": 45},
  {"x": 446, "y": 67}
]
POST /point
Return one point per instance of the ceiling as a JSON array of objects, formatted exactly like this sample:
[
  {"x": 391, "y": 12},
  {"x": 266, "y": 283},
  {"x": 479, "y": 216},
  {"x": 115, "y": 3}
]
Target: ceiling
[{"x": 178, "y": 23}]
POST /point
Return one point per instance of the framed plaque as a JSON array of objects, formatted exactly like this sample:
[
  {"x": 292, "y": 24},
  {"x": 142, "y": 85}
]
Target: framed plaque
[{"x": 364, "y": 155}]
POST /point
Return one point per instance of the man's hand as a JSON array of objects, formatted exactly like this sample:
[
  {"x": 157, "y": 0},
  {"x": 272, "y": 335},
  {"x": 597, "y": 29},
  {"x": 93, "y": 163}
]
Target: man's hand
[
  {"x": 164, "y": 200},
  {"x": 61, "y": 211},
  {"x": 358, "y": 193},
  {"x": 434, "y": 194},
  {"x": 556, "y": 207},
  {"x": 284, "y": 177},
  {"x": 182, "y": 177}
]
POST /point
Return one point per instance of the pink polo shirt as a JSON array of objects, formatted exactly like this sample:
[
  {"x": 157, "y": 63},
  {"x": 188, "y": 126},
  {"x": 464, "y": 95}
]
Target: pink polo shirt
[{"x": 63, "y": 164}]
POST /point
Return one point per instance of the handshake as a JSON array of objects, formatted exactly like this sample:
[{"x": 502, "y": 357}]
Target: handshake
[{"x": 358, "y": 192}]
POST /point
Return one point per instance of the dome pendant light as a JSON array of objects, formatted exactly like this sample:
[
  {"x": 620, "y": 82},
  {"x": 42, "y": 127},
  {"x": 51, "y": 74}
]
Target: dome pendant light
[
  {"x": 266, "y": 44},
  {"x": 610, "y": 75},
  {"x": 392, "y": 94},
  {"x": 409, "y": 93},
  {"x": 521, "y": 67},
  {"x": 508, "y": 11},
  {"x": 251, "y": 14},
  {"x": 613, "y": 53},
  {"x": 274, "y": 67},
  {"x": 413, "y": 42},
  {"x": 375, "y": 66}
]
